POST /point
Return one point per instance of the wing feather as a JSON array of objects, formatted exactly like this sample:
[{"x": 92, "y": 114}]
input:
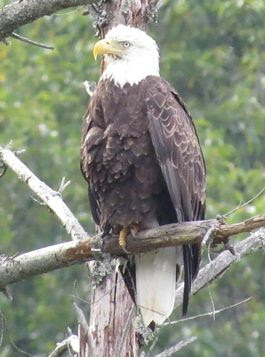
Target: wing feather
[
  {"x": 180, "y": 157},
  {"x": 92, "y": 137}
]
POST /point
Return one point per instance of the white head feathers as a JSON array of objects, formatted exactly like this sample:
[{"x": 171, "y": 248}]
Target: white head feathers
[{"x": 139, "y": 59}]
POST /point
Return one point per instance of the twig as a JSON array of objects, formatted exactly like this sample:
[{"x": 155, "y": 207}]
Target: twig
[
  {"x": 207, "y": 314},
  {"x": 244, "y": 204},
  {"x": 179, "y": 346},
  {"x": 81, "y": 317},
  {"x": 63, "y": 185},
  {"x": 220, "y": 264},
  {"x": 209, "y": 235},
  {"x": 156, "y": 4},
  {"x": 212, "y": 300},
  {"x": 4, "y": 323},
  {"x": 70, "y": 342},
  {"x": 20, "y": 13},
  {"x": 18, "y": 349},
  {"x": 30, "y": 42},
  {"x": 1, "y": 328},
  {"x": 85, "y": 327},
  {"x": 152, "y": 346},
  {"x": 228, "y": 230},
  {"x": 209, "y": 253}
]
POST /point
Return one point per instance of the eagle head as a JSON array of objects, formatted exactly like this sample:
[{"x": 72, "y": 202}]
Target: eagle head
[{"x": 130, "y": 55}]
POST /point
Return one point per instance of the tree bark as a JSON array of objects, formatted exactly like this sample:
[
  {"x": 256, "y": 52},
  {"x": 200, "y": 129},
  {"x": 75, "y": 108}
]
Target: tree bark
[
  {"x": 20, "y": 13},
  {"x": 111, "y": 318}
]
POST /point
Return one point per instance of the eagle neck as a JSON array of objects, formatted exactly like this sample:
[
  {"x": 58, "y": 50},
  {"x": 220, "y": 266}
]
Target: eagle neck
[{"x": 131, "y": 72}]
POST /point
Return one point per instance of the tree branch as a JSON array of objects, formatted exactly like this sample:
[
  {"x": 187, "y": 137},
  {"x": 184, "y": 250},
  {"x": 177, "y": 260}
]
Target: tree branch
[
  {"x": 58, "y": 256},
  {"x": 179, "y": 346},
  {"x": 181, "y": 233},
  {"x": 30, "y": 42},
  {"x": 20, "y": 13},
  {"x": 70, "y": 343},
  {"x": 220, "y": 264},
  {"x": 51, "y": 198},
  {"x": 208, "y": 314},
  {"x": 24, "y": 266}
]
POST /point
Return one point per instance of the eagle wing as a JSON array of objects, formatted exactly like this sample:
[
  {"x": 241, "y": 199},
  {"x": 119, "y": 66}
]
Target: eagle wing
[
  {"x": 180, "y": 157},
  {"x": 92, "y": 137}
]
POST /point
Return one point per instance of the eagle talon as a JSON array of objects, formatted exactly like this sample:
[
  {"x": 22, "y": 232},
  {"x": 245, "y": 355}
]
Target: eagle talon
[
  {"x": 122, "y": 238},
  {"x": 134, "y": 229}
]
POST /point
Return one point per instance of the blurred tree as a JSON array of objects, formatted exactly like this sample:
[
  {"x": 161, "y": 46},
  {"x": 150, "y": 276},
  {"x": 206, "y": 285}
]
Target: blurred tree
[
  {"x": 42, "y": 101},
  {"x": 213, "y": 52}
]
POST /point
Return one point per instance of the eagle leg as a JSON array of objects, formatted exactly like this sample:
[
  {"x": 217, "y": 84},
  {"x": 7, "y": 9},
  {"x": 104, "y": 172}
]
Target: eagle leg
[{"x": 122, "y": 238}]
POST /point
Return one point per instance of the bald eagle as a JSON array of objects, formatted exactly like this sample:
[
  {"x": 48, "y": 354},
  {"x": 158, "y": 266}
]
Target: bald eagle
[{"x": 143, "y": 163}]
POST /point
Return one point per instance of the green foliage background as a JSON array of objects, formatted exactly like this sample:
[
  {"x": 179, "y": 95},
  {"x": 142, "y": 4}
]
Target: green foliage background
[{"x": 213, "y": 53}]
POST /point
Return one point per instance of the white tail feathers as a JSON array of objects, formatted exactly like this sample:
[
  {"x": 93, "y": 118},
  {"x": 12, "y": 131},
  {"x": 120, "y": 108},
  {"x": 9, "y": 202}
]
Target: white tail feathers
[{"x": 155, "y": 284}]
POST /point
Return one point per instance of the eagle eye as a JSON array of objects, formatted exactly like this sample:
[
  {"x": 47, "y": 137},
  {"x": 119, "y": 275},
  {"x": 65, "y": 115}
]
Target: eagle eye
[{"x": 126, "y": 44}]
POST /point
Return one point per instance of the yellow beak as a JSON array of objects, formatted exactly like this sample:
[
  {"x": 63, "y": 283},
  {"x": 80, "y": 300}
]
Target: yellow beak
[{"x": 104, "y": 47}]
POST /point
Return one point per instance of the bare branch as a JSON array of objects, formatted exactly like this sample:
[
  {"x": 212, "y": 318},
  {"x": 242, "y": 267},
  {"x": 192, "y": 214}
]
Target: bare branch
[
  {"x": 248, "y": 225},
  {"x": 181, "y": 233},
  {"x": 20, "y": 13},
  {"x": 81, "y": 317},
  {"x": 70, "y": 342},
  {"x": 51, "y": 198},
  {"x": 245, "y": 203},
  {"x": 208, "y": 314},
  {"x": 221, "y": 263},
  {"x": 86, "y": 331},
  {"x": 88, "y": 248},
  {"x": 30, "y": 42},
  {"x": 179, "y": 346},
  {"x": 63, "y": 185},
  {"x": 156, "y": 3},
  {"x": 43, "y": 260},
  {"x": 209, "y": 235},
  {"x": 61, "y": 255}
]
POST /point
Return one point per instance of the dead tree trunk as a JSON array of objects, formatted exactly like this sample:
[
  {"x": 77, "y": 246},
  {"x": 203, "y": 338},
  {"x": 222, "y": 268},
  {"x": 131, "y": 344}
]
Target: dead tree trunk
[
  {"x": 111, "y": 316},
  {"x": 111, "y": 329}
]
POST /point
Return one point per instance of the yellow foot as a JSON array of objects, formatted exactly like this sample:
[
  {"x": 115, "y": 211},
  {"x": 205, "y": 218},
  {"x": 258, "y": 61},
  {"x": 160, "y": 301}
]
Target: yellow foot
[{"x": 122, "y": 238}]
